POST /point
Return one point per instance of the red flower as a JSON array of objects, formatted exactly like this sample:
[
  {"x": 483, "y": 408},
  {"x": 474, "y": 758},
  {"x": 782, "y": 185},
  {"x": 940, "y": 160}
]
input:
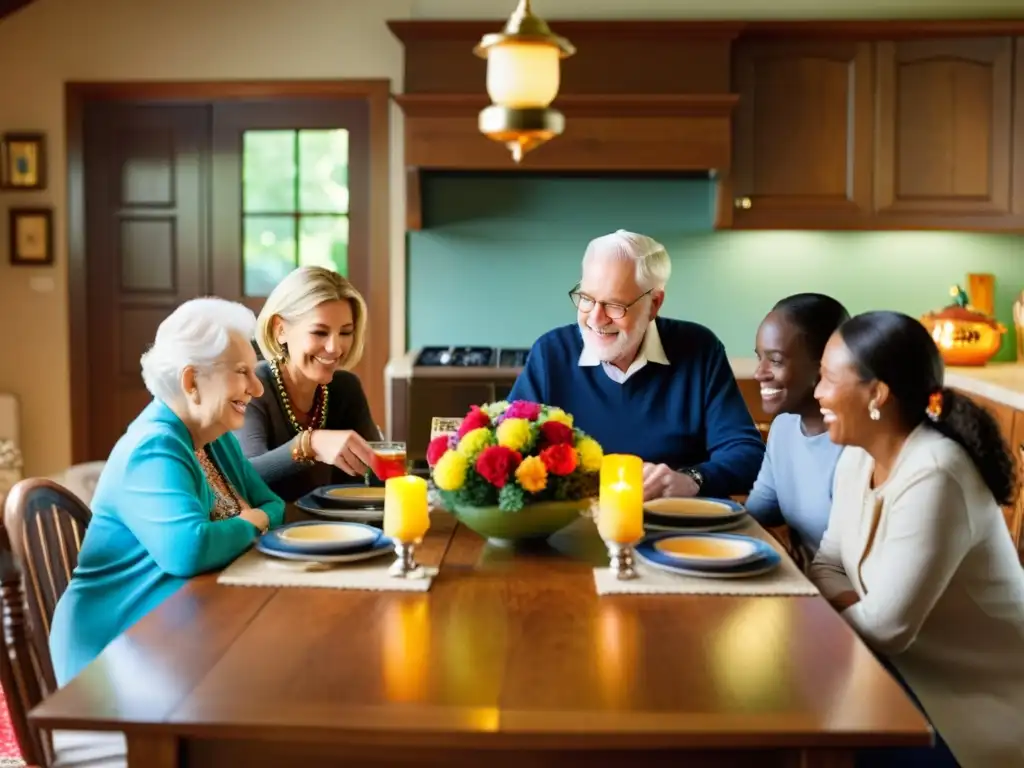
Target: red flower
[
  {"x": 437, "y": 449},
  {"x": 496, "y": 462},
  {"x": 474, "y": 420},
  {"x": 556, "y": 433},
  {"x": 560, "y": 459}
]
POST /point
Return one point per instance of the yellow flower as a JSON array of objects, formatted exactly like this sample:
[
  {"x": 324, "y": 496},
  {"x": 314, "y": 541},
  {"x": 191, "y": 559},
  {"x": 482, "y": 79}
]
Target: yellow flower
[
  {"x": 532, "y": 474},
  {"x": 475, "y": 441},
  {"x": 557, "y": 414},
  {"x": 590, "y": 454},
  {"x": 515, "y": 434},
  {"x": 450, "y": 471}
]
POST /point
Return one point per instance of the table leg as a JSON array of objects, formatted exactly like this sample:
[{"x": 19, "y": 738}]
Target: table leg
[
  {"x": 822, "y": 758},
  {"x": 152, "y": 751}
]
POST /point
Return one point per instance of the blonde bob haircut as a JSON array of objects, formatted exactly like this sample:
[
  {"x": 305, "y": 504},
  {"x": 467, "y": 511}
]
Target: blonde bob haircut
[{"x": 303, "y": 290}]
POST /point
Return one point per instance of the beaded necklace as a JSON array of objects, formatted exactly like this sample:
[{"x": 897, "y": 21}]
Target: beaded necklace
[
  {"x": 319, "y": 417},
  {"x": 227, "y": 502}
]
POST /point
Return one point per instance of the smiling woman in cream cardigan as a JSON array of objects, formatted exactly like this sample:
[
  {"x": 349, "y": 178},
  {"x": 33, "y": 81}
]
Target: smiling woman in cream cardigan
[{"x": 917, "y": 556}]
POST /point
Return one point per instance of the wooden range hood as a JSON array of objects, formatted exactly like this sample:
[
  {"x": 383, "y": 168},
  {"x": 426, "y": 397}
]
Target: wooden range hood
[{"x": 638, "y": 96}]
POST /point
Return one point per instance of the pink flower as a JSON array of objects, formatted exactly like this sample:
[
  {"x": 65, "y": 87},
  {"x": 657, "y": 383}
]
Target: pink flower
[{"x": 523, "y": 409}]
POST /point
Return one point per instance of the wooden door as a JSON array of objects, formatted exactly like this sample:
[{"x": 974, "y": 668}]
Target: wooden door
[
  {"x": 145, "y": 176},
  {"x": 803, "y": 134},
  {"x": 291, "y": 186}
]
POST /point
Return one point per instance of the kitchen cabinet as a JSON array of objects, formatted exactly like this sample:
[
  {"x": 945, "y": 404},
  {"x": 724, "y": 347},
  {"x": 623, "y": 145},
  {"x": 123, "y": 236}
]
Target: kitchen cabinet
[
  {"x": 885, "y": 134},
  {"x": 802, "y": 134},
  {"x": 944, "y": 144}
]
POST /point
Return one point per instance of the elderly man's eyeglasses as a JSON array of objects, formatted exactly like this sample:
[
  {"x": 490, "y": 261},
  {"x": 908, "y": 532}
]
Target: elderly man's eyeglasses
[{"x": 614, "y": 311}]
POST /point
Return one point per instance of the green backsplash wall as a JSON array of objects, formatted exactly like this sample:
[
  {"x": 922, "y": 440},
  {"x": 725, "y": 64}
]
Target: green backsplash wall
[{"x": 498, "y": 255}]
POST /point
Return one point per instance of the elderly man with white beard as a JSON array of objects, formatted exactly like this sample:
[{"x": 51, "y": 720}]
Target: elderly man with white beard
[{"x": 646, "y": 385}]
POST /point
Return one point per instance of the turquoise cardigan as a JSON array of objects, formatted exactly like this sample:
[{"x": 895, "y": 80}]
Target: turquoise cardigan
[{"x": 150, "y": 532}]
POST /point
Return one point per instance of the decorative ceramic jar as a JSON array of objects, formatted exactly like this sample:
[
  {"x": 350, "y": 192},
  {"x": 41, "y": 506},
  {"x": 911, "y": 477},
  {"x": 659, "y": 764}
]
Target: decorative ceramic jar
[{"x": 964, "y": 335}]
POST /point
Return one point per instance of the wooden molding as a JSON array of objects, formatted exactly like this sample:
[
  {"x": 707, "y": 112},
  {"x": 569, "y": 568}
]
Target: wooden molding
[
  {"x": 413, "y": 200},
  {"x": 874, "y": 30},
  {"x": 413, "y": 31},
  {"x": 415, "y": 105},
  {"x": 612, "y": 57},
  {"x": 416, "y": 30}
]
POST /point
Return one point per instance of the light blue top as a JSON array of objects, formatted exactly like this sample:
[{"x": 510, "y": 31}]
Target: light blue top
[
  {"x": 794, "y": 486},
  {"x": 150, "y": 532}
]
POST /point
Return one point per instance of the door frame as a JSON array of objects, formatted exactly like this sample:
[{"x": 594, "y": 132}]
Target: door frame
[{"x": 375, "y": 92}]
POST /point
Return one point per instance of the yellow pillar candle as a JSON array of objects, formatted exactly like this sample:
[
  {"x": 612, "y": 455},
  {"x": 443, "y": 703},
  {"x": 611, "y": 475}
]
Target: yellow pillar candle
[
  {"x": 620, "y": 515},
  {"x": 406, "y": 518}
]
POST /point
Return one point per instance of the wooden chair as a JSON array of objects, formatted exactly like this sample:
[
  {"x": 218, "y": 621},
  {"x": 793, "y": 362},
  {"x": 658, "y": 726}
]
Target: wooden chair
[
  {"x": 42, "y": 532},
  {"x": 1015, "y": 521}
]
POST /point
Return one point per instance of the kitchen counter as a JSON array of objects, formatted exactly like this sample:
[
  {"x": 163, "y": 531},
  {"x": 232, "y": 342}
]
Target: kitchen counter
[
  {"x": 401, "y": 367},
  {"x": 1000, "y": 382}
]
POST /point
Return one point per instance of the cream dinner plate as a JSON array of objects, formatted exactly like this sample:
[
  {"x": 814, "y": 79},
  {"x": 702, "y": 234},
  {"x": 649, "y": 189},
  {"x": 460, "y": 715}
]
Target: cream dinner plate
[
  {"x": 329, "y": 533},
  {"x": 689, "y": 508},
  {"x": 709, "y": 555},
  {"x": 382, "y": 546},
  {"x": 708, "y": 548},
  {"x": 333, "y": 538},
  {"x": 351, "y": 494}
]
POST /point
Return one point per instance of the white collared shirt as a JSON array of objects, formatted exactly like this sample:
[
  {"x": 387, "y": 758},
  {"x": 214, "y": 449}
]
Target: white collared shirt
[{"x": 651, "y": 351}]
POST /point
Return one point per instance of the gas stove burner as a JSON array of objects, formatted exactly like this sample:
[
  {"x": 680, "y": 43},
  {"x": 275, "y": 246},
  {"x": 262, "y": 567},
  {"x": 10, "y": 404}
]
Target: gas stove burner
[
  {"x": 512, "y": 358},
  {"x": 456, "y": 356}
]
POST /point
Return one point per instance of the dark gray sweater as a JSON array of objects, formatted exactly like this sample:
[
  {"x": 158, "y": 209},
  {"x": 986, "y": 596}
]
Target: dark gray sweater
[{"x": 267, "y": 436}]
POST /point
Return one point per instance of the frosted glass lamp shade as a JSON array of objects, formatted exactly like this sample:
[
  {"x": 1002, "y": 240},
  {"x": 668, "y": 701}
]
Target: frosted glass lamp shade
[{"x": 523, "y": 75}]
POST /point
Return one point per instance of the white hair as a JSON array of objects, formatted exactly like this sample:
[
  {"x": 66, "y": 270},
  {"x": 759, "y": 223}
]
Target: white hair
[
  {"x": 653, "y": 267},
  {"x": 197, "y": 334}
]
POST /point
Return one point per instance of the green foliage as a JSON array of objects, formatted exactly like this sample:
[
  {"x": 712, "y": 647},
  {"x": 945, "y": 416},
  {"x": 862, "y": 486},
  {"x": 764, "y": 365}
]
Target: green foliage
[{"x": 511, "y": 498}]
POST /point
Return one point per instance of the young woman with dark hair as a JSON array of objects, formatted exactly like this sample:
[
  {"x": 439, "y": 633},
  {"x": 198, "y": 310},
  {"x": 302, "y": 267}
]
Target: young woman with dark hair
[
  {"x": 917, "y": 556},
  {"x": 794, "y": 486}
]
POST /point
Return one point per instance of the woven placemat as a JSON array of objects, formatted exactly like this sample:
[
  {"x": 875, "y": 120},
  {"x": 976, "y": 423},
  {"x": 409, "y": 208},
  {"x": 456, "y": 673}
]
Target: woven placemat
[
  {"x": 254, "y": 569},
  {"x": 787, "y": 579}
]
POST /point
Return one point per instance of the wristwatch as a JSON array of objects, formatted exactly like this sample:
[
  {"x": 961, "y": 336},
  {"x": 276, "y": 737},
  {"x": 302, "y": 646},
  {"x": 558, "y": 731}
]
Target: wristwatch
[{"x": 695, "y": 474}]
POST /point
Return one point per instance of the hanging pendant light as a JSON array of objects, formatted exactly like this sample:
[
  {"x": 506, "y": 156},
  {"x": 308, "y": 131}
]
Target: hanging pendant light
[{"x": 522, "y": 81}]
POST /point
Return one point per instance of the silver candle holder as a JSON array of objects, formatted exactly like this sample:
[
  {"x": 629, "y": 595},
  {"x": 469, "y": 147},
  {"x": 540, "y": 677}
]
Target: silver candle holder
[
  {"x": 621, "y": 557},
  {"x": 405, "y": 565}
]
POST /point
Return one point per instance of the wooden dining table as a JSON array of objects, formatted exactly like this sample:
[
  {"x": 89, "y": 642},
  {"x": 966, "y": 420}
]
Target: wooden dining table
[{"x": 510, "y": 659}]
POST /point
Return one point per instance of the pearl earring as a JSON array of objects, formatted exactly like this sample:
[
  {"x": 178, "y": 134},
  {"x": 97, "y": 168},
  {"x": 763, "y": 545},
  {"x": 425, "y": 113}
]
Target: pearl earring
[{"x": 873, "y": 411}]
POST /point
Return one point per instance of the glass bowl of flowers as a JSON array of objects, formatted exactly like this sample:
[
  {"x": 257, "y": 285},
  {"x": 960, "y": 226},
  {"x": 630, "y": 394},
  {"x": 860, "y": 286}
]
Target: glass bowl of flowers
[{"x": 516, "y": 471}]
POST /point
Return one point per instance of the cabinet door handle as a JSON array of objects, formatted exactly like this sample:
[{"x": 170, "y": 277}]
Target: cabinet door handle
[{"x": 743, "y": 202}]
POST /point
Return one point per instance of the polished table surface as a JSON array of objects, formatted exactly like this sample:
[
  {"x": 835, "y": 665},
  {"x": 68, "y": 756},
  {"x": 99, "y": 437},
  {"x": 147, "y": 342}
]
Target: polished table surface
[{"x": 510, "y": 658}]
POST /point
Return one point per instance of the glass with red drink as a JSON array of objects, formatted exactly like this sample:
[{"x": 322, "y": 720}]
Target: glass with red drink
[{"x": 388, "y": 459}]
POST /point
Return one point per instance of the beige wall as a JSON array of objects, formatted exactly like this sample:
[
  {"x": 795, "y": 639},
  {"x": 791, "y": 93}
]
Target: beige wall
[{"x": 53, "y": 41}]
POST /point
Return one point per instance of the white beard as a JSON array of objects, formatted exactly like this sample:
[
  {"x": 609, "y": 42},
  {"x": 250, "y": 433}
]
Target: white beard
[{"x": 608, "y": 353}]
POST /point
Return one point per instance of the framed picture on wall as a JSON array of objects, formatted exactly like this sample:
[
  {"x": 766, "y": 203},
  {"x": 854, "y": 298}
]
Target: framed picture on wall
[
  {"x": 23, "y": 161},
  {"x": 31, "y": 234}
]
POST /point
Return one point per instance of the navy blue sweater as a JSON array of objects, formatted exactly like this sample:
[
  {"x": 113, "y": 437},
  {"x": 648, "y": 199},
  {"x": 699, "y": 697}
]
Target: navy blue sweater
[{"x": 689, "y": 413}]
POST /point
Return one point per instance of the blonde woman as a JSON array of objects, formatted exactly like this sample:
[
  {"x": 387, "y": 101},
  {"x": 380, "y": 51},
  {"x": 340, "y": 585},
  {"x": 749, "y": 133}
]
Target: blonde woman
[{"x": 311, "y": 425}]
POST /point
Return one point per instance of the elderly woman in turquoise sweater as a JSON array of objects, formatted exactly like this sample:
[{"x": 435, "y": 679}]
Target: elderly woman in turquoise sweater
[{"x": 176, "y": 498}]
